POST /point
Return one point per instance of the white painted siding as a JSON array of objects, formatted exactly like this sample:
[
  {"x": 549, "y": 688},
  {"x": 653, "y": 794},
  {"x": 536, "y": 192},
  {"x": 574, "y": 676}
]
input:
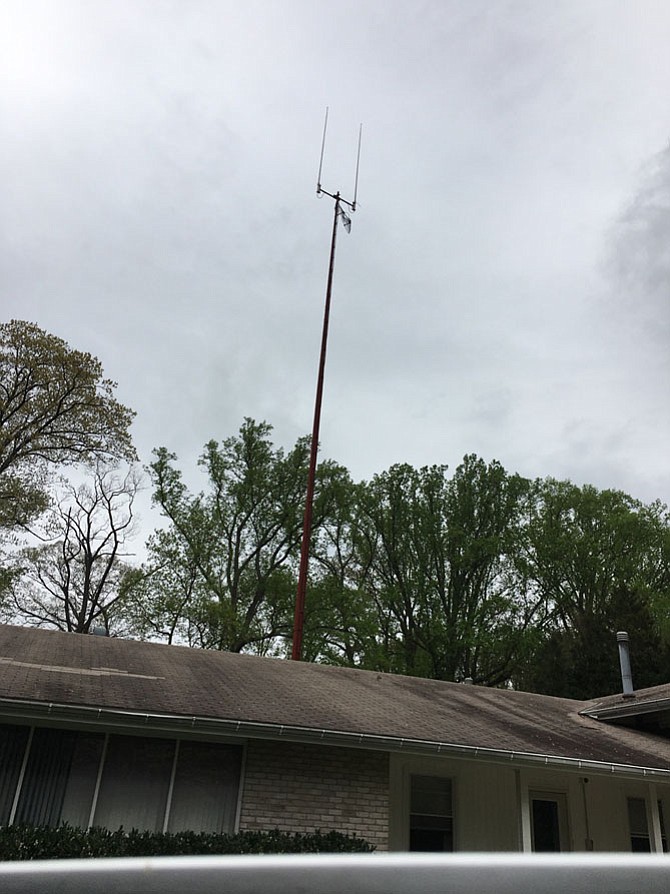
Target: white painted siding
[{"x": 491, "y": 804}]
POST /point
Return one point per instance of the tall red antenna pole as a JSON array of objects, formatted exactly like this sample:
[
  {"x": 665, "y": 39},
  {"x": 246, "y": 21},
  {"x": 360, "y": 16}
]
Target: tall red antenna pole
[{"x": 339, "y": 212}]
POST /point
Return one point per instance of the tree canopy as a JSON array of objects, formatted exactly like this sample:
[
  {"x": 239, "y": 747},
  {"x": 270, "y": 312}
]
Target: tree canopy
[
  {"x": 434, "y": 557},
  {"x": 473, "y": 573},
  {"x": 600, "y": 562},
  {"x": 56, "y": 408},
  {"x": 221, "y": 575}
]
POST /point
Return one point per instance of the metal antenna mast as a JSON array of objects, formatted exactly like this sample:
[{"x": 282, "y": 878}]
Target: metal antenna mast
[{"x": 339, "y": 214}]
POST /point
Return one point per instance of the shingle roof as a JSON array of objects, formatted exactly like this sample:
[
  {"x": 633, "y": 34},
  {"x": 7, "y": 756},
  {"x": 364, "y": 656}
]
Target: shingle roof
[
  {"x": 646, "y": 709},
  {"x": 48, "y": 666},
  {"x": 641, "y": 697}
]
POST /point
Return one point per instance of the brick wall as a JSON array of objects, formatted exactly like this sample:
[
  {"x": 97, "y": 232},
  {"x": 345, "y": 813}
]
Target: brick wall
[{"x": 300, "y": 788}]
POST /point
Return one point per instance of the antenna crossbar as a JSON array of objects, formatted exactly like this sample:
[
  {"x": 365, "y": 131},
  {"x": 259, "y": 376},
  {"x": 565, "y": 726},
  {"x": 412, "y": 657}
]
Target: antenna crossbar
[{"x": 338, "y": 198}]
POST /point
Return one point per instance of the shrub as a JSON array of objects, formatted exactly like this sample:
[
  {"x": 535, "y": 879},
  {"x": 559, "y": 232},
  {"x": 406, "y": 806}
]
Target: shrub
[{"x": 41, "y": 843}]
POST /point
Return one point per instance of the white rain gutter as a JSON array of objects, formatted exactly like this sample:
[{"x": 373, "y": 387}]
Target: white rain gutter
[{"x": 106, "y": 718}]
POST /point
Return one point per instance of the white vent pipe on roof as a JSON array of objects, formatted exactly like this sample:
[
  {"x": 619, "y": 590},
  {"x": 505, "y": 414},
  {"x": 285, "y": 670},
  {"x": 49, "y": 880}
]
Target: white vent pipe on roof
[{"x": 624, "y": 661}]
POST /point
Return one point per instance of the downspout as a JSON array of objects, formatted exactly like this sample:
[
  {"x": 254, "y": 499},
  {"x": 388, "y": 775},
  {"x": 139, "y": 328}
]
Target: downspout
[{"x": 588, "y": 841}]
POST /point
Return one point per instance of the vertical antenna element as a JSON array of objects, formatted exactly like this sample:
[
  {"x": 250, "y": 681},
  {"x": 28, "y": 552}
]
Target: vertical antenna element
[
  {"x": 323, "y": 146},
  {"x": 358, "y": 164}
]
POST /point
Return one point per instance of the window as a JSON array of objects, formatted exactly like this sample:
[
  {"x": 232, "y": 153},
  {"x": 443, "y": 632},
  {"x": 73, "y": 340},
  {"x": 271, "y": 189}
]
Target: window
[
  {"x": 82, "y": 779},
  {"x": 53, "y": 769},
  {"x": 134, "y": 783},
  {"x": 204, "y": 795},
  {"x": 640, "y": 837},
  {"x": 431, "y": 817},
  {"x": 548, "y": 817},
  {"x": 13, "y": 741},
  {"x": 51, "y": 776}
]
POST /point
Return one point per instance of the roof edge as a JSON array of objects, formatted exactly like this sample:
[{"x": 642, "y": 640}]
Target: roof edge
[
  {"x": 113, "y": 718},
  {"x": 629, "y": 709}
]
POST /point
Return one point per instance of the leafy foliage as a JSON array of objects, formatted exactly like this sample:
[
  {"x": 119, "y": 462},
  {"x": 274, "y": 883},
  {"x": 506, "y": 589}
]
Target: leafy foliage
[
  {"x": 222, "y": 574},
  {"x": 435, "y": 556},
  {"x": 480, "y": 574},
  {"x": 66, "y": 842},
  {"x": 55, "y": 408},
  {"x": 600, "y": 560}
]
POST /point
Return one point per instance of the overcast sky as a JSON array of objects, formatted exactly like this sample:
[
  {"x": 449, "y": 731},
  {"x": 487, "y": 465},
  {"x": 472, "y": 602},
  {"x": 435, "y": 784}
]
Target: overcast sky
[{"x": 505, "y": 289}]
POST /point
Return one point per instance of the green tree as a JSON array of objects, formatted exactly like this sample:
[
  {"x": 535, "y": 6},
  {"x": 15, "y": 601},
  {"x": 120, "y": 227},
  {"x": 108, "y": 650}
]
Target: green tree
[
  {"x": 436, "y": 558},
  {"x": 340, "y": 617},
  {"x": 600, "y": 560},
  {"x": 222, "y": 575},
  {"x": 55, "y": 408}
]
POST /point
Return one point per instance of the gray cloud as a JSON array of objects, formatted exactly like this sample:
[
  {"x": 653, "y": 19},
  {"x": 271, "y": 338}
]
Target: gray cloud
[{"x": 158, "y": 165}]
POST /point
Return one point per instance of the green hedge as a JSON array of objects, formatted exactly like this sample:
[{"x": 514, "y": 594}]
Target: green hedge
[{"x": 38, "y": 843}]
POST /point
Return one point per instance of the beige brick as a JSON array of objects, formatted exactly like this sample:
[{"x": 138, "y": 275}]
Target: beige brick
[{"x": 301, "y": 788}]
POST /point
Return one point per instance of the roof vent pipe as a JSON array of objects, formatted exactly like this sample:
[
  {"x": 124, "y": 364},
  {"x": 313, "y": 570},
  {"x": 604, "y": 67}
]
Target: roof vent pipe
[{"x": 624, "y": 661}]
